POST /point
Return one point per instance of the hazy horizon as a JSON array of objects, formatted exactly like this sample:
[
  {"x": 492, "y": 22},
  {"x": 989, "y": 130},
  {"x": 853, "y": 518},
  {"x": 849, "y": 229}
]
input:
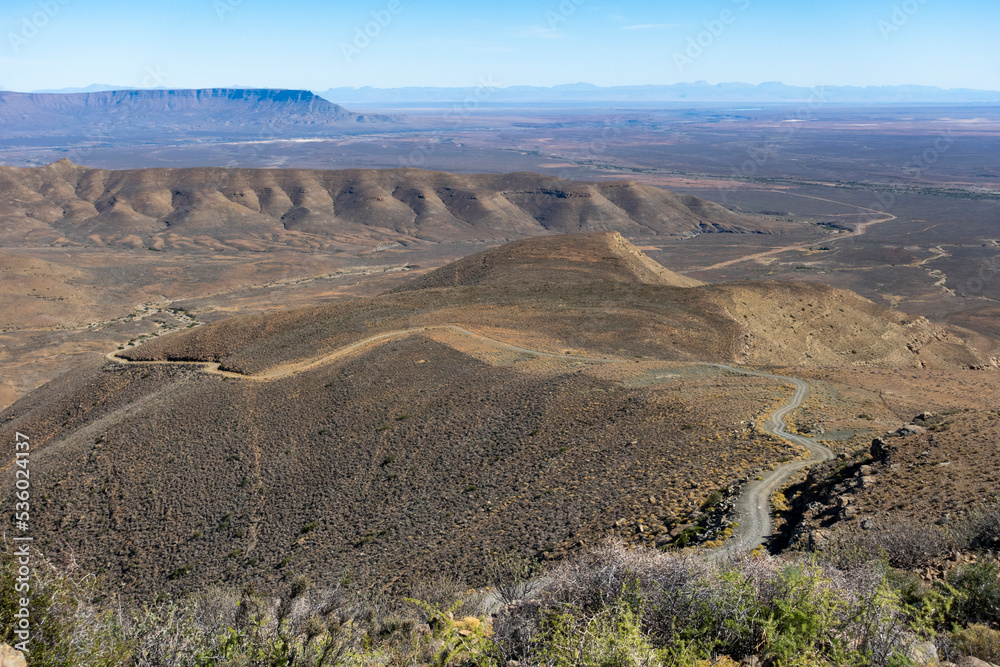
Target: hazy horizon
[
  {"x": 102, "y": 87},
  {"x": 55, "y": 44}
]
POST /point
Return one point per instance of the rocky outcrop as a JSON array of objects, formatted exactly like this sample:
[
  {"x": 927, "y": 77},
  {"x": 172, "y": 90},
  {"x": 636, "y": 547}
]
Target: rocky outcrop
[{"x": 11, "y": 658}]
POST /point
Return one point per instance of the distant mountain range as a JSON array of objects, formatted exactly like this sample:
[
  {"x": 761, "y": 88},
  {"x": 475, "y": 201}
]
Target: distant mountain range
[
  {"x": 143, "y": 116},
  {"x": 765, "y": 93}
]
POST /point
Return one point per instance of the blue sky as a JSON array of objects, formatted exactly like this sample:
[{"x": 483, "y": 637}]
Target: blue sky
[{"x": 311, "y": 44}]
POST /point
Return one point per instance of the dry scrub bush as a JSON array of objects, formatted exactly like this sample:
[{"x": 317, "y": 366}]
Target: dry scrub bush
[
  {"x": 218, "y": 628},
  {"x": 69, "y": 623},
  {"x": 685, "y": 610},
  {"x": 979, "y": 528},
  {"x": 512, "y": 577},
  {"x": 978, "y": 641},
  {"x": 904, "y": 544}
]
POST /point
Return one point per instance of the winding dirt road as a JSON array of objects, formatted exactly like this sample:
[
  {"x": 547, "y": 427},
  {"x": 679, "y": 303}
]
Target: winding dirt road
[
  {"x": 279, "y": 372},
  {"x": 753, "y": 506}
]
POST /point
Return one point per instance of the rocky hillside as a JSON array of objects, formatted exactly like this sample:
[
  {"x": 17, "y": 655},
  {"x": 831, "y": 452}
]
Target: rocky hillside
[
  {"x": 248, "y": 209},
  {"x": 922, "y": 493},
  {"x": 390, "y": 437}
]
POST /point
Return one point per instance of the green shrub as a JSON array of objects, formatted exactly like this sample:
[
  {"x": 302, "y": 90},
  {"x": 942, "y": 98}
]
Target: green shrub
[
  {"x": 465, "y": 641},
  {"x": 799, "y": 613},
  {"x": 978, "y": 641},
  {"x": 977, "y": 593},
  {"x": 612, "y": 637},
  {"x": 713, "y": 499},
  {"x": 802, "y": 626},
  {"x": 926, "y": 607}
]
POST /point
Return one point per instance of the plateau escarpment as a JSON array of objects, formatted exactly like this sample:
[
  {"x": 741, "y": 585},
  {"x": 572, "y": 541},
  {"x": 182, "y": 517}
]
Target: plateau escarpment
[{"x": 142, "y": 116}]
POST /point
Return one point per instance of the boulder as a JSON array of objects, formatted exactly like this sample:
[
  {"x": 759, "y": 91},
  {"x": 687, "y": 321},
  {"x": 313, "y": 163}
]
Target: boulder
[
  {"x": 923, "y": 654},
  {"x": 969, "y": 661},
  {"x": 676, "y": 532},
  {"x": 879, "y": 450},
  {"x": 11, "y": 658},
  {"x": 818, "y": 539}
]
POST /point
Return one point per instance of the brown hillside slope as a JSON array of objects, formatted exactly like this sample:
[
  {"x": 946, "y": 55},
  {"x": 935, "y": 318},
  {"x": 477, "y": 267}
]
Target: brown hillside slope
[
  {"x": 599, "y": 256},
  {"x": 810, "y": 324},
  {"x": 66, "y": 204},
  {"x": 593, "y": 292},
  {"x": 423, "y": 452},
  {"x": 406, "y": 459}
]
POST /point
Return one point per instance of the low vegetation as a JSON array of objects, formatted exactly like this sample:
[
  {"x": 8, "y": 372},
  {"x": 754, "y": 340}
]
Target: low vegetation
[
  {"x": 552, "y": 459},
  {"x": 614, "y": 605}
]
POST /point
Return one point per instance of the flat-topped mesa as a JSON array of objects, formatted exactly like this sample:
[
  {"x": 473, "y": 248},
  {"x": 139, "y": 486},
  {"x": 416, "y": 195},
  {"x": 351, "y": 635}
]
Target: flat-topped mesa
[
  {"x": 600, "y": 256},
  {"x": 187, "y": 113}
]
